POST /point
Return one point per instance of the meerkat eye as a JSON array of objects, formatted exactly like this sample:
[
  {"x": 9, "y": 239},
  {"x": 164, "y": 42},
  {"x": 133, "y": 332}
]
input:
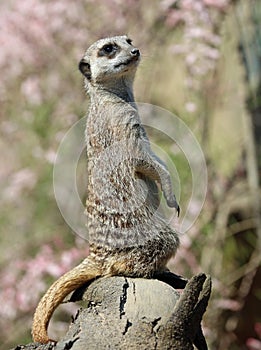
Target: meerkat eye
[
  {"x": 108, "y": 48},
  {"x": 129, "y": 41}
]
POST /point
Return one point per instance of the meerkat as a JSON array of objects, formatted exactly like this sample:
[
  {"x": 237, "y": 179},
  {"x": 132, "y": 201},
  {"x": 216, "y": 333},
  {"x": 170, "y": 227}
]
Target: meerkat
[{"x": 127, "y": 234}]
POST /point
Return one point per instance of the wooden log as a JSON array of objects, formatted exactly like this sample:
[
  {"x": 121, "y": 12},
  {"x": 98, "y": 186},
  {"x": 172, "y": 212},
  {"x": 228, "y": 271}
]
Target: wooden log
[{"x": 135, "y": 313}]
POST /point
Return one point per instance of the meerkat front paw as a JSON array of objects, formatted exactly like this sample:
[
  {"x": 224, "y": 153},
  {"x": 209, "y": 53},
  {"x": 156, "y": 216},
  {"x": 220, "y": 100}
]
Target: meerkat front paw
[{"x": 172, "y": 202}]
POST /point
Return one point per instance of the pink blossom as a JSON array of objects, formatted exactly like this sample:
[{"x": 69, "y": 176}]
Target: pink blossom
[
  {"x": 220, "y": 4},
  {"x": 258, "y": 329},
  {"x": 50, "y": 156},
  {"x": 253, "y": 344},
  {"x": 31, "y": 90},
  {"x": 24, "y": 275},
  {"x": 22, "y": 179},
  {"x": 175, "y": 17},
  {"x": 229, "y": 304}
]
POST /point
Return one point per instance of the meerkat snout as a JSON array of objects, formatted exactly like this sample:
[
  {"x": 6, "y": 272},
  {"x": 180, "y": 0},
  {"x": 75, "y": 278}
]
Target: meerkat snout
[{"x": 135, "y": 52}]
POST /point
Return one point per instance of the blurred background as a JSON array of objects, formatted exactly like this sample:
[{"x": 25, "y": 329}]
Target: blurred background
[{"x": 201, "y": 61}]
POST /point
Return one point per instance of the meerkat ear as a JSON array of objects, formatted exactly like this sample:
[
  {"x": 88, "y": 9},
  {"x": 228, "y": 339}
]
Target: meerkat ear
[{"x": 85, "y": 68}]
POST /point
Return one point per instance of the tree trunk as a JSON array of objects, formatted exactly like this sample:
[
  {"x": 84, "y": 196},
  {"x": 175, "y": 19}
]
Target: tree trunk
[{"x": 134, "y": 313}]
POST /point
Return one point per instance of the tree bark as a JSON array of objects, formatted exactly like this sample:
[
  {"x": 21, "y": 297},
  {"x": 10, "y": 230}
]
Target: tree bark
[{"x": 135, "y": 313}]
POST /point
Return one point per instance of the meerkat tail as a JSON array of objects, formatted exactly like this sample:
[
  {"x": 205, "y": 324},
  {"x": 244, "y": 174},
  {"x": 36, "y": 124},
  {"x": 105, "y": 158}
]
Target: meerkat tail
[{"x": 67, "y": 283}]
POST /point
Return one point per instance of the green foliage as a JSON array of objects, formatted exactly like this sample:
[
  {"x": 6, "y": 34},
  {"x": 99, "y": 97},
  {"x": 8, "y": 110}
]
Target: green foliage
[{"x": 42, "y": 122}]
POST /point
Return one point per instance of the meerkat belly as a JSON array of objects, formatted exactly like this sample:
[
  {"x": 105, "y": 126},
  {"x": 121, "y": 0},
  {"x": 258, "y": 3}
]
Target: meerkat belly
[
  {"x": 137, "y": 261},
  {"x": 122, "y": 209}
]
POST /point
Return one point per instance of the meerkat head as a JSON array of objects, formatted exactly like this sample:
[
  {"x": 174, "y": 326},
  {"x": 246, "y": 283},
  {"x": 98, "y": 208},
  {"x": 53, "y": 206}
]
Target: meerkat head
[{"x": 110, "y": 59}]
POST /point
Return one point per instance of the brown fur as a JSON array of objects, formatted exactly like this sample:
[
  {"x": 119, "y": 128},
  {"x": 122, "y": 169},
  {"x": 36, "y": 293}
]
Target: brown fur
[{"x": 128, "y": 236}]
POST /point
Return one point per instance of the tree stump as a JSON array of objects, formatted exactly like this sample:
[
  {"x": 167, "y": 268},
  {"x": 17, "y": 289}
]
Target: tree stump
[{"x": 135, "y": 313}]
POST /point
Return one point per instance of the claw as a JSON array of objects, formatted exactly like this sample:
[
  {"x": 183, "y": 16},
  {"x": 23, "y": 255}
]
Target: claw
[{"x": 172, "y": 203}]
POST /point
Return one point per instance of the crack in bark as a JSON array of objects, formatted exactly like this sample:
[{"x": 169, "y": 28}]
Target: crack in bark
[
  {"x": 154, "y": 324},
  {"x": 134, "y": 291},
  {"x": 154, "y": 331},
  {"x": 70, "y": 343},
  {"x": 127, "y": 326},
  {"x": 123, "y": 297}
]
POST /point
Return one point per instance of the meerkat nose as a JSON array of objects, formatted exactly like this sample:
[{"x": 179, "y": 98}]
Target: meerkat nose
[{"x": 135, "y": 52}]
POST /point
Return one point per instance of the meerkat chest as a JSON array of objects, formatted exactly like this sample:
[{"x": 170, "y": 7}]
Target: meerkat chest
[{"x": 110, "y": 129}]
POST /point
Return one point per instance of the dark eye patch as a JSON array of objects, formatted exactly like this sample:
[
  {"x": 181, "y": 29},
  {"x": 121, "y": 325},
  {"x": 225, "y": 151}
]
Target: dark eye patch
[
  {"x": 129, "y": 41},
  {"x": 108, "y": 50}
]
